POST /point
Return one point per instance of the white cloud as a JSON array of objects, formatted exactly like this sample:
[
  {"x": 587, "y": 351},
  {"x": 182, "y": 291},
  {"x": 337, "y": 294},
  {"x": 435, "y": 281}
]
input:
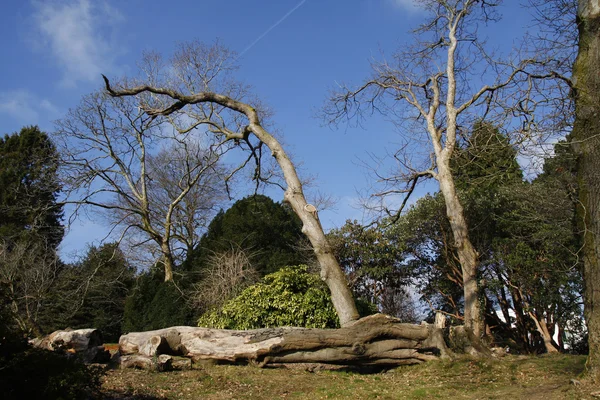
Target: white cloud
[
  {"x": 75, "y": 34},
  {"x": 26, "y": 107},
  {"x": 408, "y": 5}
]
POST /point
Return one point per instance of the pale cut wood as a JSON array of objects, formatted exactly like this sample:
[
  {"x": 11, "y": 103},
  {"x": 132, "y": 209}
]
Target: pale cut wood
[
  {"x": 86, "y": 343},
  {"x": 77, "y": 340},
  {"x": 374, "y": 340}
]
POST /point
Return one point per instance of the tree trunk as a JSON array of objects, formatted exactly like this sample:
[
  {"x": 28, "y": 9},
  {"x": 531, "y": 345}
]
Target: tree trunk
[
  {"x": 167, "y": 260},
  {"x": 542, "y": 329},
  {"x": 331, "y": 272},
  {"x": 374, "y": 340},
  {"x": 466, "y": 252},
  {"x": 586, "y": 139},
  {"x": 86, "y": 343}
]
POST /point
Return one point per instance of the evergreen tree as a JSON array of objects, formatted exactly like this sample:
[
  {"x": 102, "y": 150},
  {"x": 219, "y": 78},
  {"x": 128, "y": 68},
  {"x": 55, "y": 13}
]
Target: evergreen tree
[
  {"x": 155, "y": 304},
  {"x": 29, "y": 188},
  {"x": 269, "y": 231},
  {"x": 103, "y": 278}
]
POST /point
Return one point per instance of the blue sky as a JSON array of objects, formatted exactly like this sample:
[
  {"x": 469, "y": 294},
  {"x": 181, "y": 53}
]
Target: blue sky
[{"x": 293, "y": 53}]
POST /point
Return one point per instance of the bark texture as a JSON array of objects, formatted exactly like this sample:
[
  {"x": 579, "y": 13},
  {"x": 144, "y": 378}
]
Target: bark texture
[
  {"x": 586, "y": 139},
  {"x": 86, "y": 343},
  {"x": 374, "y": 340},
  {"x": 469, "y": 260}
]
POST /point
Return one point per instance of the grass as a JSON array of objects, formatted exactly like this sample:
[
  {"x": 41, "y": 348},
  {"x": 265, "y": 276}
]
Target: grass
[{"x": 513, "y": 377}]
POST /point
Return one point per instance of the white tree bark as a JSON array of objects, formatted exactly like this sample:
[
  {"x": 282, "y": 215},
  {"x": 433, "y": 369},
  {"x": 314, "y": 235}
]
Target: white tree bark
[{"x": 374, "y": 340}]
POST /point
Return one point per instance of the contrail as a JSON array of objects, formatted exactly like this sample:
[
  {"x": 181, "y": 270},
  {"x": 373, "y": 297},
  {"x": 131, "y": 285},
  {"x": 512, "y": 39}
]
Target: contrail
[{"x": 265, "y": 33}]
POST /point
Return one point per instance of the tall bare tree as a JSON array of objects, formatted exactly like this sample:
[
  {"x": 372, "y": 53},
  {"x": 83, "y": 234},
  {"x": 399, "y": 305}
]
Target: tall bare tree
[
  {"x": 145, "y": 175},
  {"x": 196, "y": 88},
  {"x": 586, "y": 138},
  {"x": 435, "y": 91}
]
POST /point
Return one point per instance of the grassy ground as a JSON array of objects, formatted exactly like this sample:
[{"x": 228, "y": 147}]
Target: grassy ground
[{"x": 544, "y": 377}]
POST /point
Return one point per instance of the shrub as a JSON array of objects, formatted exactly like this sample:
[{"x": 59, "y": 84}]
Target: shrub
[
  {"x": 28, "y": 373},
  {"x": 42, "y": 374},
  {"x": 289, "y": 297}
]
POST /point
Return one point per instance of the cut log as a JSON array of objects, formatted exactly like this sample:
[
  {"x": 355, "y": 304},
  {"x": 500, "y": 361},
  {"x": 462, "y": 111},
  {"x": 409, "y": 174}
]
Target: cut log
[
  {"x": 86, "y": 343},
  {"x": 374, "y": 340}
]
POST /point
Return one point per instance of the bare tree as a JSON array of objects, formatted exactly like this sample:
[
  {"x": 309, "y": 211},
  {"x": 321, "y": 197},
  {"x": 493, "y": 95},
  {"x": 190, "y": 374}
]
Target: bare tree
[
  {"x": 147, "y": 176},
  {"x": 433, "y": 93},
  {"x": 226, "y": 275},
  {"x": 198, "y": 207},
  {"x": 197, "y": 89},
  {"x": 30, "y": 272},
  {"x": 586, "y": 138}
]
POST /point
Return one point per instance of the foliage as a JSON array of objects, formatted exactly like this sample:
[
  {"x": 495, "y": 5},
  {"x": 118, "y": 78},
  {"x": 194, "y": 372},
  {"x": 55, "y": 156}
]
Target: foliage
[
  {"x": 372, "y": 263},
  {"x": 268, "y": 230},
  {"x": 525, "y": 238},
  {"x": 42, "y": 374},
  {"x": 28, "y": 373},
  {"x": 29, "y": 188},
  {"x": 30, "y": 271},
  {"x": 485, "y": 159},
  {"x": 289, "y": 297},
  {"x": 154, "y": 304},
  {"x": 102, "y": 281},
  {"x": 12, "y": 339}
]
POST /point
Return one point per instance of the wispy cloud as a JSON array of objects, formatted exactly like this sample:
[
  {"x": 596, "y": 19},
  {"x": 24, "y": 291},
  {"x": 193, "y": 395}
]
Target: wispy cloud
[
  {"x": 408, "y": 5},
  {"x": 26, "y": 107},
  {"x": 76, "y": 32}
]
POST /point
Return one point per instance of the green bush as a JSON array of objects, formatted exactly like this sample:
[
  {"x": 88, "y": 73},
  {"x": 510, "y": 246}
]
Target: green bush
[
  {"x": 42, "y": 374},
  {"x": 28, "y": 373},
  {"x": 289, "y": 297}
]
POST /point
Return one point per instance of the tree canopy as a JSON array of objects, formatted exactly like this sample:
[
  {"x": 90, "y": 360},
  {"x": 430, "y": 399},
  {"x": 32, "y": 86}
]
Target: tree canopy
[
  {"x": 267, "y": 230},
  {"x": 29, "y": 187}
]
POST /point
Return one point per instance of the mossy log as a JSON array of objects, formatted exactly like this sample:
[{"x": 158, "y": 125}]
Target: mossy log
[{"x": 377, "y": 340}]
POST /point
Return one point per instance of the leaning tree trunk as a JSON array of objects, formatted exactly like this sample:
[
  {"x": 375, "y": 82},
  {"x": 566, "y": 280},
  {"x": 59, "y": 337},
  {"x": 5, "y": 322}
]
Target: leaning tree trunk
[
  {"x": 586, "y": 139},
  {"x": 466, "y": 252},
  {"x": 331, "y": 272},
  {"x": 374, "y": 340}
]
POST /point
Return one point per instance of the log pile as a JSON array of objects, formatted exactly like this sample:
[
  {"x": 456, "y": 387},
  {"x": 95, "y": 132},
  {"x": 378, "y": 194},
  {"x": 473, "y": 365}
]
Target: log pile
[{"x": 376, "y": 340}]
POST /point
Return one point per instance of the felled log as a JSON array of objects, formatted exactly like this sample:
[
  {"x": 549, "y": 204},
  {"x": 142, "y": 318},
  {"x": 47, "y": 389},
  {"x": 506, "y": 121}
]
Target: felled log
[
  {"x": 85, "y": 343},
  {"x": 374, "y": 340}
]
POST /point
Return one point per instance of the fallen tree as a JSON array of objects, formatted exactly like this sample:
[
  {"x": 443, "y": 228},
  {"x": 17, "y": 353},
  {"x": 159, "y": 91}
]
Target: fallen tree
[
  {"x": 376, "y": 340},
  {"x": 85, "y": 343}
]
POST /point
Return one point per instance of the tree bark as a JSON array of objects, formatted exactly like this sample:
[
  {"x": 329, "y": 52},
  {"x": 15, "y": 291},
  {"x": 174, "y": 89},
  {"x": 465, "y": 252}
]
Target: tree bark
[
  {"x": 466, "y": 252},
  {"x": 86, "y": 343},
  {"x": 167, "y": 260},
  {"x": 374, "y": 340},
  {"x": 542, "y": 329},
  {"x": 586, "y": 139},
  {"x": 331, "y": 272}
]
